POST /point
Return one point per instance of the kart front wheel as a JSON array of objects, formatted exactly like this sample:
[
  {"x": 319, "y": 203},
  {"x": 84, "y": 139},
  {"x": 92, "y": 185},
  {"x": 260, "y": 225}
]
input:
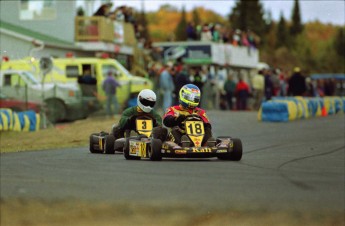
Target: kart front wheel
[
  {"x": 155, "y": 151},
  {"x": 236, "y": 153}
]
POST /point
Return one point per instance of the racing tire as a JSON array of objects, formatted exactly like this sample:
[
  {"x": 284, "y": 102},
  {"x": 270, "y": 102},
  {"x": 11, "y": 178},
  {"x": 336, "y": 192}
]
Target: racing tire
[
  {"x": 126, "y": 152},
  {"x": 93, "y": 140},
  {"x": 155, "y": 150},
  {"x": 236, "y": 153},
  {"x": 109, "y": 144}
]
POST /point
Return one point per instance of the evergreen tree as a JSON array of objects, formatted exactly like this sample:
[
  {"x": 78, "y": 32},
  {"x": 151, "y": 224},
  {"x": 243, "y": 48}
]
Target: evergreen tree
[
  {"x": 296, "y": 27},
  {"x": 248, "y": 15},
  {"x": 143, "y": 21},
  {"x": 339, "y": 42},
  {"x": 282, "y": 32},
  {"x": 180, "y": 31},
  {"x": 196, "y": 17}
]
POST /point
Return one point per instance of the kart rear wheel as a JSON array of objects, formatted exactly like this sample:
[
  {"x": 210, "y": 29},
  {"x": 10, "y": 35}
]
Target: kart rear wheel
[
  {"x": 93, "y": 139},
  {"x": 155, "y": 151},
  {"x": 236, "y": 153},
  {"x": 126, "y": 152},
  {"x": 109, "y": 141}
]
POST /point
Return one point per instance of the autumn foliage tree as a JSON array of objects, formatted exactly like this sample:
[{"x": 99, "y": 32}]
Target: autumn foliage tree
[{"x": 314, "y": 46}]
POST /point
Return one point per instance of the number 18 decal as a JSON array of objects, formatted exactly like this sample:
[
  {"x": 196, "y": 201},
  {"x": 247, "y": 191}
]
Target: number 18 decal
[{"x": 195, "y": 127}]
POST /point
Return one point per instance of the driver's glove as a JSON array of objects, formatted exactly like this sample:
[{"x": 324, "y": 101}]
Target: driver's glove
[{"x": 180, "y": 119}]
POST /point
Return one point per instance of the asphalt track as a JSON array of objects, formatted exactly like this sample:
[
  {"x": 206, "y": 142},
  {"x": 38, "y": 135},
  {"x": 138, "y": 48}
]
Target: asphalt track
[{"x": 297, "y": 165}]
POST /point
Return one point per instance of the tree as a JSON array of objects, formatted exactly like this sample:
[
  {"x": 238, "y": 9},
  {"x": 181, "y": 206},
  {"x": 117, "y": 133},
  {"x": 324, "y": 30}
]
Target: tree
[
  {"x": 196, "y": 17},
  {"x": 145, "y": 31},
  {"x": 282, "y": 32},
  {"x": 248, "y": 15},
  {"x": 296, "y": 27},
  {"x": 180, "y": 31},
  {"x": 339, "y": 42}
]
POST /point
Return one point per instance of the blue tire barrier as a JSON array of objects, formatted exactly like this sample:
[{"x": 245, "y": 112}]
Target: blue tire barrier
[
  {"x": 19, "y": 121},
  {"x": 283, "y": 109},
  {"x": 278, "y": 111}
]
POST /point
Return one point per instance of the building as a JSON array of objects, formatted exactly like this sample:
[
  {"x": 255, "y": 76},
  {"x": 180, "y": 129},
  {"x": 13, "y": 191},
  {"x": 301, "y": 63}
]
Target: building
[{"x": 52, "y": 28}]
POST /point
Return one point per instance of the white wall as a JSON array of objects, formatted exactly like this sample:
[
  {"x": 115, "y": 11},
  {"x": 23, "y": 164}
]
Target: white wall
[{"x": 62, "y": 27}]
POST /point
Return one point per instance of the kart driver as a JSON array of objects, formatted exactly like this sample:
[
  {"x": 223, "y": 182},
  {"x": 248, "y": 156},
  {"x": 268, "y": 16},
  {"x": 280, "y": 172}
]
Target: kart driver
[
  {"x": 145, "y": 102},
  {"x": 189, "y": 98}
]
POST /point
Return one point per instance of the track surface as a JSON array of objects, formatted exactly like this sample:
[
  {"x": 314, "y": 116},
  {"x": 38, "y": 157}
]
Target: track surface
[{"x": 287, "y": 166}]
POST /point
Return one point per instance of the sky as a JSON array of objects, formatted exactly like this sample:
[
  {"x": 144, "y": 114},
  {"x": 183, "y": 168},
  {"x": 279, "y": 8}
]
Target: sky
[{"x": 326, "y": 11}]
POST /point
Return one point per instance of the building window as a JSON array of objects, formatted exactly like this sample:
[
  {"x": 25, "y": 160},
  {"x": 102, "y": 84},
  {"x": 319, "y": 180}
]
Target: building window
[{"x": 37, "y": 10}]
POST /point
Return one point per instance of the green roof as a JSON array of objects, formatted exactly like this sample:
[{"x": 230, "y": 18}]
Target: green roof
[{"x": 34, "y": 34}]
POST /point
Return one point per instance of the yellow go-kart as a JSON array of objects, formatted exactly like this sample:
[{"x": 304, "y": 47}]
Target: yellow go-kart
[
  {"x": 224, "y": 148},
  {"x": 104, "y": 142}
]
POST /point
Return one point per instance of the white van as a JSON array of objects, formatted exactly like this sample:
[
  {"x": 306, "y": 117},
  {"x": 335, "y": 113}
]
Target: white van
[{"x": 62, "y": 101}]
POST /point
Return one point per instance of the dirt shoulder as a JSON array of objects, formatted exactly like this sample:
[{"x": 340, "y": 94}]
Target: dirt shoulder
[{"x": 72, "y": 212}]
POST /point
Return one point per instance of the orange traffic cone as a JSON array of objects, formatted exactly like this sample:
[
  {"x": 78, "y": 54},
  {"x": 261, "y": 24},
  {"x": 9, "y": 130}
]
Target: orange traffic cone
[{"x": 323, "y": 112}]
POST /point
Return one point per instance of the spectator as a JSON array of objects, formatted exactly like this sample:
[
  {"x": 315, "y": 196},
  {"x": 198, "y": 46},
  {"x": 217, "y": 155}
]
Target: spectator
[
  {"x": 329, "y": 87},
  {"x": 258, "y": 89},
  {"x": 206, "y": 34},
  {"x": 181, "y": 79},
  {"x": 236, "y": 38},
  {"x": 268, "y": 85},
  {"x": 282, "y": 82},
  {"x": 120, "y": 13},
  {"x": 216, "y": 34},
  {"x": 103, "y": 10},
  {"x": 109, "y": 86},
  {"x": 166, "y": 85},
  {"x": 297, "y": 86},
  {"x": 242, "y": 93},
  {"x": 198, "y": 79},
  {"x": 210, "y": 89},
  {"x": 191, "y": 32},
  {"x": 310, "y": 90},
  {"x": 87, "y": 83},
  {"x": 229, "y": 88}
]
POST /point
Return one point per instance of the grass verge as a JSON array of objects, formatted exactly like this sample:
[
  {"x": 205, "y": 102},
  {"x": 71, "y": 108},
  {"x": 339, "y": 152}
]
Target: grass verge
[{"x": 64, "y": 135}]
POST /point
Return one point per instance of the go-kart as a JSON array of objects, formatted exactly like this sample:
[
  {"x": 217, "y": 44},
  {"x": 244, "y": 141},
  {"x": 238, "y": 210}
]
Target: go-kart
[
  {"x": 104, "y": 142},
  {"x": 224, "y": 148}
]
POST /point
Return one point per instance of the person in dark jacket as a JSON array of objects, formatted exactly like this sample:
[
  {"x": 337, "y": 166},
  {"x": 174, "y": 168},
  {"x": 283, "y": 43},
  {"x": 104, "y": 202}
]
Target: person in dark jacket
[
  {"x": 146, "y": 100},
  {"x": 297, "y": 85}
]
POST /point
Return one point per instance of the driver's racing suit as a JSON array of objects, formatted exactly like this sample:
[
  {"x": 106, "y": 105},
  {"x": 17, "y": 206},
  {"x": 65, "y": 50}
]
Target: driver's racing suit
[
  {"x": 174, "y": 117},
  {"x": 127, "y": 122}
]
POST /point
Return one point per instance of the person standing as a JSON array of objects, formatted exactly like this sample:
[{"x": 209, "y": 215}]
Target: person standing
[
  {"x": 229, "y": 88},
  {"x": 258, "y": 88},
  {"x": 109, "y": 87},
  {"x": 297, "y": 86},
  {"x": 167, "y": 86},
  {"x": 242, "y": 92},
  {"x": 268, "y": 85}
]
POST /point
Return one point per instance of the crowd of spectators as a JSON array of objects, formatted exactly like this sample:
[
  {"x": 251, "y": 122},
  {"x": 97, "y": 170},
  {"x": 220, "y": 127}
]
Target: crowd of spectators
[
  {"x": 219, "y": 33},
  {"x": 122, "y": 14},
  {"x": 231, "y": 90}
]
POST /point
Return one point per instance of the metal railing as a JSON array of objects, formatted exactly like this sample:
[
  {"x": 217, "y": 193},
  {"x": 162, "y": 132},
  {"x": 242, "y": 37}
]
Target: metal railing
[{"x": 102, "y": 29}]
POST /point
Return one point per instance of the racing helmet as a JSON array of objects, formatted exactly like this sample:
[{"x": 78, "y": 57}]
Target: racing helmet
[
  {"x": 189, "y": 96},
  {"x": 146, "y": 100}
]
